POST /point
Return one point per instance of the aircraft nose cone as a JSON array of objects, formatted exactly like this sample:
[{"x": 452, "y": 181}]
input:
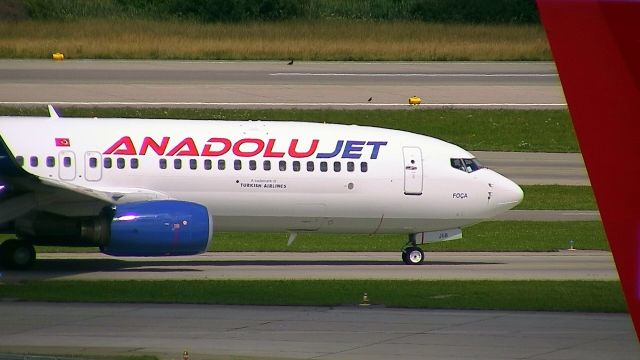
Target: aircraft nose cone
[
  {"x": 506, "y": 194},
  {"x": 513, "y": 193}
]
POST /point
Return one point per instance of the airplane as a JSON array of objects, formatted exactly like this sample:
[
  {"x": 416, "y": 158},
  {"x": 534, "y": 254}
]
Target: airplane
[{"x": 159, "y": 187}]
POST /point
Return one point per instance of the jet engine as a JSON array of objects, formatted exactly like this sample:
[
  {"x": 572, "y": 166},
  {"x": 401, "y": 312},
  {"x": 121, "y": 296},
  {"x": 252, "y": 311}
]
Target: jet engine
[
  {"x": 151, "y": 228},
  {"x": 159, "y": 228}
]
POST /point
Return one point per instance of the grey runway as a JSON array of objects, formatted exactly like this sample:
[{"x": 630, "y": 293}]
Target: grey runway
[
  {"x": 208, "y": 331},
  {"x": 549, "y": 215},
  {"x": 256, "y": 84},
  {"x": 563, "y": 265},
  {"x": 537, "y": 168}
]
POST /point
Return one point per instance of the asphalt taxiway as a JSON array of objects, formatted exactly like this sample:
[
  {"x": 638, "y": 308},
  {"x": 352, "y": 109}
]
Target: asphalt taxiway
[
  {"x": 209, "y": 331},
  {"x": 563, "y": 265},
  {"x": 537, "y": 168},
  {"x": 260, "y": 84}
]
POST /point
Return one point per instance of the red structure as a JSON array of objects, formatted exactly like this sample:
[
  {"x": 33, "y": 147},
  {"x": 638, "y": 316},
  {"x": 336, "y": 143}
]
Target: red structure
[{"x": 596, "y": 46}]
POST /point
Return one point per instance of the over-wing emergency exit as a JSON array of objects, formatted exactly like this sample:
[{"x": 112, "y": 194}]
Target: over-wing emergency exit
[{"x": 156, "y": 187}]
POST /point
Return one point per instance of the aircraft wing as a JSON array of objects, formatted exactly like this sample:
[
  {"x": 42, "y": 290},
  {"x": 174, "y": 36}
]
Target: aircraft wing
[{"x": 107, "y": 195}]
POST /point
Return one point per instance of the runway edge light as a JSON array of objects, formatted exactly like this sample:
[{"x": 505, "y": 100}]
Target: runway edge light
[
  {"x": 415, "y": 100},
  {"x": 603, "y": 95},
  {"x": 365, "y": 300}
]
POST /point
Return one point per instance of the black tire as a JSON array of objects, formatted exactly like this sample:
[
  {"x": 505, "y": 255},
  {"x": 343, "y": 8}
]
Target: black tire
[
  {"x": 413, "y": 256},
  {"x": 17, "y": 255},
  {"x": 404, "y": 258}
]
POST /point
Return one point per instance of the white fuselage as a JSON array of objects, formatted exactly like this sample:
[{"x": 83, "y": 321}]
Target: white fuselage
[{"x": 318, "y": 177}]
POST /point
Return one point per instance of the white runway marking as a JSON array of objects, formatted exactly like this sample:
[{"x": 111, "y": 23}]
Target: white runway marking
[
  {"x": 413, "y": 75},
  {"x": 279, "y": 104}
]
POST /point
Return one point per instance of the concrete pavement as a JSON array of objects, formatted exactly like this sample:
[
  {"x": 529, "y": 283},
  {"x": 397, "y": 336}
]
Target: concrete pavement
[
  {"x": 260, "y": 84},
  {"x": 563, "y": 265},
  {"x": 537, "y": 168},
  {"x": 208, "y": 331}
]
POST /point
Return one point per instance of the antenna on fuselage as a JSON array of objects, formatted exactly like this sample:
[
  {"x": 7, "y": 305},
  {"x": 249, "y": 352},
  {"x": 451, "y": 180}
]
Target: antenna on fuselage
[{"x": 52, "y": 112}]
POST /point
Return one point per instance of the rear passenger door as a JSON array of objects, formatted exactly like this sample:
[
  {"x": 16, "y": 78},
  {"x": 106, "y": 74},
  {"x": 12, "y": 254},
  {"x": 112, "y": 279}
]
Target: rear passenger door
[{"x": 92, "y": 166}]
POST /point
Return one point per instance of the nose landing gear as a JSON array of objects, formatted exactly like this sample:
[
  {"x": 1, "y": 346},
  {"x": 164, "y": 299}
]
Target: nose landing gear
[{"x": 412, "y": 254}]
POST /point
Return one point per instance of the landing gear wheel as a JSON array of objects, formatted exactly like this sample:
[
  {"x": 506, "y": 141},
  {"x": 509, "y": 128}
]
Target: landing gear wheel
[
  {"x": 413, "y": 255},
  {"x": 17, "y": 255}
]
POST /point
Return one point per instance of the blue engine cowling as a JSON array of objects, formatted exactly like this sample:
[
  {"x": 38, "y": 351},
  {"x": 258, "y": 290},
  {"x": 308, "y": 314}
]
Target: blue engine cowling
[{"x": 159, "y": 228}]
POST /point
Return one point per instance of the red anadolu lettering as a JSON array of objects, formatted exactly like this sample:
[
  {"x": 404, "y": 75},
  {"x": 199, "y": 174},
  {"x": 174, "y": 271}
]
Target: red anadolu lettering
[
  {"x": 246, "y": 147},
  {"x": 259, "y": 145},
  {"x": 190, "y": 148},
  {"x": 124, "y": 146}
]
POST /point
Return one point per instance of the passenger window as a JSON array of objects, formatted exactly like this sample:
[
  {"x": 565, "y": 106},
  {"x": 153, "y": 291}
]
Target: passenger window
[
  {"x": 93, "y": 162},
  {"x": 51, "y": 161},
  {"x": 20, "y": 160},
  {"x": 237, "y": 164},
  {"x": 193, "y": 164},
  {"x": 252, "y": 165},
  {"x": 351, "y": 166},
  {"x": 34, "y": 161},
  {"x": 177, "y": 164},
  {"x": 134, "y": 163},
  {"x": 107, "y": 163},
  {"x": 310, "y": 166},
  {"x": 163, "y": 163},
  {"x": 221, "y": 164},
  {"x": 119, "y": 163},
  {"x": 336, "y": 166},
  {"x": 207, "y": 164},
  {"x": 282, "y": 165},
  {"x": 66, "y": 161},
  {"x": 364, "y": 167},
  {"x": 323, "y": 166},
  {"x": 296, "y": 166},
  {"x": 266, "y": 165}
]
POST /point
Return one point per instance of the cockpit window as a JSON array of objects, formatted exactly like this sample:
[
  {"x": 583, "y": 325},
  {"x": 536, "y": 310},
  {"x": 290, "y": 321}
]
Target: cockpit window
[
  {"x": 458, "y": 164},
  {"x": 466, "y": 165},
  {"x": 472, "y": 165}
]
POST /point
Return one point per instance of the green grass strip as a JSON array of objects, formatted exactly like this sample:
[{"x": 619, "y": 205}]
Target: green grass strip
[
  {"x": 557, "y": 197},
  {"x": 528, "y": 236},
  {"x": 583, "y": 296},
  {"x": 472, "y": 129},
  {"x": 486, "y": 236}
]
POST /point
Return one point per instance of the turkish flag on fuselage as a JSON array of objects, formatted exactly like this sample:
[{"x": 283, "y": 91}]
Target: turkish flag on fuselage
[{"x": 63, "y": 142}]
